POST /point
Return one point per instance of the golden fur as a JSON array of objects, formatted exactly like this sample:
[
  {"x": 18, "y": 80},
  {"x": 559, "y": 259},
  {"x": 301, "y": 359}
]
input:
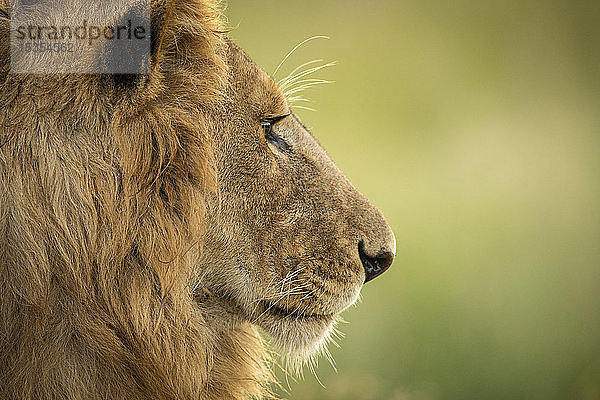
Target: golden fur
[{"x": 137, "y": 226}]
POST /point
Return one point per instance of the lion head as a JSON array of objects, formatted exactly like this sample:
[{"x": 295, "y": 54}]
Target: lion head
[
  {"x": 290, "y": 241},
  {"x": 151, "y": 222}
]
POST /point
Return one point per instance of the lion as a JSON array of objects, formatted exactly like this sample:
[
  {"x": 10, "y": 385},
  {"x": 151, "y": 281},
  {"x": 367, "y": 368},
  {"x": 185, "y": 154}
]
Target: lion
[{"x": 152, "y": 223}]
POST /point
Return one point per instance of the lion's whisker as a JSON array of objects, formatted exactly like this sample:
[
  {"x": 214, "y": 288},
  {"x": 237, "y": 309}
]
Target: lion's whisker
[
  {"x": 325, "y": 351},
  {"x": 291, "y": 74},
  {"x": 293, "y": 290},
  {"x": 304, "y": 87},
  {"x": 299, "y": 67},
  {"x": 305, "y": 108},
  {"x": 301, "y": 313},
  {"x": 292, "y": 99},
  {"x": 311, "y": 365},
  {"x": 290, "y": 292},
  {"x": 309, "y": 294},
  {"x": 307, "y": 72},
  {"x": 290, "y": 85},
  {"x": 296, "y": 48},
  {"x": 300, "y": 301},
  {"x": 291, "y": 275},
  {"x": 311, "y": 80},
  {"x": 268, "y": 308}
]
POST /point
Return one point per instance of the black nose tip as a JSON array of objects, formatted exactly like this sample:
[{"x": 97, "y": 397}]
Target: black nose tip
[{"x": 374, "y": 266}]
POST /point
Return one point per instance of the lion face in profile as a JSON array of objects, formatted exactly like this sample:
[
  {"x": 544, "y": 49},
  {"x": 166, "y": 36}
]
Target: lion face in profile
[
  {"x": 290, "y": 241},
  {"x": 150, "y": 223}
]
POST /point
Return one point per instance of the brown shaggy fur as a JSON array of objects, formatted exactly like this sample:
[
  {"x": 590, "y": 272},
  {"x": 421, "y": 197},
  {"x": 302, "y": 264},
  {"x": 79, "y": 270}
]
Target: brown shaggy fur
[
  {"x": 142, "y": 235},
  {"x": 100, "y": 201}
]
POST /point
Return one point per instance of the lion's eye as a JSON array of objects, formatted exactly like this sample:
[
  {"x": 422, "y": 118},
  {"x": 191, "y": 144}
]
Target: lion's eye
[
  {"x": 267, "y": 127},
  {"x": 270, "y": 134}
]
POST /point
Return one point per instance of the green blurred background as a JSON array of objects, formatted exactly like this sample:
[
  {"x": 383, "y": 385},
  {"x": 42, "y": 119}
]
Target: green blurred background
[{"x": 475, "y": 127}]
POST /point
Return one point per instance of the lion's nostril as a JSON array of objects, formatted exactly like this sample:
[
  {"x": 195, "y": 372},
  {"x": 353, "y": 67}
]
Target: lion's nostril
[{"x": 374, "y": 265}]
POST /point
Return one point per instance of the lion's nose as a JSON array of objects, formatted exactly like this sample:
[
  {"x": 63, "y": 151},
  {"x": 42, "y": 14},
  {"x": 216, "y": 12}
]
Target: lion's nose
[{"x": 375, "y": 264}]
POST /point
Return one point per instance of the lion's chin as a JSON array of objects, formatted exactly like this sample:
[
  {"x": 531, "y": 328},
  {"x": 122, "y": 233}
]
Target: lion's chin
[{"x": 299, "y": 338}]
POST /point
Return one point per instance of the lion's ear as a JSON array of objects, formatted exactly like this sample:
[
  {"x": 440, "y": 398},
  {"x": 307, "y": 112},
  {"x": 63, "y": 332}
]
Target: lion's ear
[
  {"x": 185, "y": 33},
  {"x": 182, "y": 25}
]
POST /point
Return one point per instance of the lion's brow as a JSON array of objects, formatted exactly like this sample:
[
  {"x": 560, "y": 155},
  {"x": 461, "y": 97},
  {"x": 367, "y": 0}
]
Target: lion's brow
[
  {"x": 302, "y": 125},
  {"x": 305, "y": 128}
]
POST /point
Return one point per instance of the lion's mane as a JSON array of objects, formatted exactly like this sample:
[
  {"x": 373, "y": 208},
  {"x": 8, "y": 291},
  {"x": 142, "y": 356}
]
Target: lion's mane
[{"x": 102, "y": 182}]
